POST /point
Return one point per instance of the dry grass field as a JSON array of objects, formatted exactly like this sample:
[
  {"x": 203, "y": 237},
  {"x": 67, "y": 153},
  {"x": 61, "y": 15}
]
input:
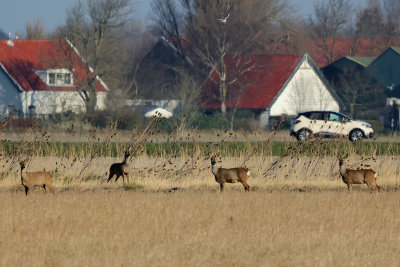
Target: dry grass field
[
  {"x": 298, "y": 211},
  {"x": 122, "y": 228}
]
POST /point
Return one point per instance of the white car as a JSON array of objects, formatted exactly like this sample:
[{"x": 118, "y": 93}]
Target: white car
[{"x": 328, "y": 124}]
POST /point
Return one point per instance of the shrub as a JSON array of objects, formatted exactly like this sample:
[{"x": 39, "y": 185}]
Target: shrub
[{"x": 280, "y": 122}]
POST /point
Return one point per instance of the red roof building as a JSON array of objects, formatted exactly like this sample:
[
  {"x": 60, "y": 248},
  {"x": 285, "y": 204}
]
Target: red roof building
[
  {"x": 35, "y": 77},
  {"x": 271, "y": 85}
]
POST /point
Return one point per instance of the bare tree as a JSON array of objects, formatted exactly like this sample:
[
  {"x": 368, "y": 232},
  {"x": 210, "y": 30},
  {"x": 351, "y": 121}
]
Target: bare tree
[
  {"x": 360, "y": 94},
  {"x": 169, "y": 22},
  {"x": 220, "y": 28},
  {"x": 34, "y": 30},
  {"x": 290, "y": 37},
  {"x": 331, "y": 17},
  {"x": 188, "y": 92},
  {"x": 215, "y": 29},
  {"x": 371, "y": 25},
  {"x": 94, "y": 28},
  {"x": 392, "y": 12}
]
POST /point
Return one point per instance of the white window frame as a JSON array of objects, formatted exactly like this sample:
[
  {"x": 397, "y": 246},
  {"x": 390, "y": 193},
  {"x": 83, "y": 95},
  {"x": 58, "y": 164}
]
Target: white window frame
[{"x": 59, "y": 77}]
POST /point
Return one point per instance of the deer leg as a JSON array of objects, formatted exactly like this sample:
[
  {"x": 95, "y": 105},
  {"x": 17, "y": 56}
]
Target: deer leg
[
  {"x": 221, "y": 187},
  {"x": 349, "y": 187},
  {"x": 109, "y": 177},
  {"x": 26, "y": 190},
  {"x": 127, "y": 177},
  {"x": 116, "y": 179},
  {"x": 371, "y": 185},
  {"x": 44, "y": 189},
  {"x": 246, "y": 186},
  {"x": 51, "y": 189},
  {"x": 377, "y": 186}
]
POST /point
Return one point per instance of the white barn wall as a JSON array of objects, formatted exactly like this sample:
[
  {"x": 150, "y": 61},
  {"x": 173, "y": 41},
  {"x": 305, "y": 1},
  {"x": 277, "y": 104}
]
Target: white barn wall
[
  {"x": 50, "y": 102},
  {"x": 101, "y": 100},
  {"x": 305, "y": 91}
]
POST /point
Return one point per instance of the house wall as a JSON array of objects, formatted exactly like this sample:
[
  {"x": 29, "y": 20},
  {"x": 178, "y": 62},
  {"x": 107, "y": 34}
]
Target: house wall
[
  {"x": 305, "y": 91},
  {"x": 50, "y": 102},
  {"x": 9, "y": 94}
]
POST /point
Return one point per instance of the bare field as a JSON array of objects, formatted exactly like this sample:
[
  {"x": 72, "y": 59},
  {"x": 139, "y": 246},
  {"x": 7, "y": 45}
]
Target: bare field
[{"x": 200, "y": 229}]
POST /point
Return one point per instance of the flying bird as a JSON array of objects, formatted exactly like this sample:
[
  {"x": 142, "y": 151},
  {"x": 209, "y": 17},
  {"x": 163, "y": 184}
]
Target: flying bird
[{"x": 225, "y": 20}]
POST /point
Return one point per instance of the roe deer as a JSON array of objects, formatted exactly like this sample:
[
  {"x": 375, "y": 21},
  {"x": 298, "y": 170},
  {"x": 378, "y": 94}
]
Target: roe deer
[
  {"x": 232, "y": 175},
  {"x": 363, "y": 176},
  {"x": 31, "y": 179},
  {"x": 120, "y": 169}
]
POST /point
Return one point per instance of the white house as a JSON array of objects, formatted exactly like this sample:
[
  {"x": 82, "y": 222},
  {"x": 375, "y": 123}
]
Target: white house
[
  {"x": 275, "y": 85},
  {"x": 35, "y": 79}
]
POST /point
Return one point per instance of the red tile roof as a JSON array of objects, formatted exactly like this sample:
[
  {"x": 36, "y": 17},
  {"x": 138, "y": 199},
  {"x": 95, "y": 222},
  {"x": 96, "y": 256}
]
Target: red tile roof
[
  {"x": 260, "y": 85},
  {"x": 21, "y": 59}
]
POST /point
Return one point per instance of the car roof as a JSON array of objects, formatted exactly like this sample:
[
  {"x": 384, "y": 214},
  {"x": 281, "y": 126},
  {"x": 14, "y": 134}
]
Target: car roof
[{"x": 321, "y": 111}]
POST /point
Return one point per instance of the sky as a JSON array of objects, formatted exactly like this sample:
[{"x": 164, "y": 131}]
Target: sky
[{"x": 15, "y": 13}]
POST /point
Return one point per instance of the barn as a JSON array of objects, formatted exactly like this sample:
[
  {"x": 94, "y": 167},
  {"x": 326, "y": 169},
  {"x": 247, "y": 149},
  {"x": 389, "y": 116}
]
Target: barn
[{"x": 274, "y": 85}]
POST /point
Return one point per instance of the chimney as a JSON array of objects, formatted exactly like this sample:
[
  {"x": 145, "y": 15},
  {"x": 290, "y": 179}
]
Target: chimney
[{"x": 10, "y": 42}]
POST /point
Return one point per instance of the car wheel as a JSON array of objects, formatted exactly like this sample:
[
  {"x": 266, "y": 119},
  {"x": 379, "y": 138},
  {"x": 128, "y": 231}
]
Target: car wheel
[
  {"x": 303, "y": 135},
  {"x": 356, "y": 135}
]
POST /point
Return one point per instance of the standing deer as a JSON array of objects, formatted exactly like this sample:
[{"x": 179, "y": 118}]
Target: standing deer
[
  {"x": 31, "y": 179},
  {"x": 120, "y": 169},
  {"x": 232, "y": 175},
  {"x": 363, "y": 176}
]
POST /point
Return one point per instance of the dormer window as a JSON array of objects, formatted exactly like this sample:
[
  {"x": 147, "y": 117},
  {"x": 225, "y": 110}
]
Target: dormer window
[
  {"x": 67, "y": 78},
  {"x": 59, "y": 78},
  {"x": 52, "y": 78}
]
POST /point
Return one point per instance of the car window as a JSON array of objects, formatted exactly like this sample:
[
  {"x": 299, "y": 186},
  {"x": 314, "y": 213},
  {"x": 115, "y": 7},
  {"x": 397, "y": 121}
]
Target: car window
[
  {"x": 335, "y": 117},
  {"x": 316, "y": 116}
]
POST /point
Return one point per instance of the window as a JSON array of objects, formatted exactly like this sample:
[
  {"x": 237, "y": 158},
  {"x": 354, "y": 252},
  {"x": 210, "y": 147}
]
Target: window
[
  {"x": 335, "y": 117},
  {"x": 317, "y": 116},
  {"x": 67, "y": 78},
  {"x": 32, "y": 110},
  {"x": 61, "y": 78},
  {"x": 52, "y": 78}
]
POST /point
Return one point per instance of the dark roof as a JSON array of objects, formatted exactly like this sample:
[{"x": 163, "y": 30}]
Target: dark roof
[
  {"x": 348, "y": 46},
  {"x": 349, "y": 65},
  {"x": 362, "y": 61},
  {"x": 385, "y": 68}
]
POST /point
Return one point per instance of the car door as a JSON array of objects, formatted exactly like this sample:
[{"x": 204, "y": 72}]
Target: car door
[
  {"x": 335, "y": 123},
  {"x": 317, "y": 122}
]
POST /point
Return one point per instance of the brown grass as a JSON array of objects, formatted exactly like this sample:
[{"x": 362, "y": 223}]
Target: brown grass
[
  {"x": 200, "y": 229},
  {"x": 171, "y": 214},
  {"x": 159, "y": 174}
]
